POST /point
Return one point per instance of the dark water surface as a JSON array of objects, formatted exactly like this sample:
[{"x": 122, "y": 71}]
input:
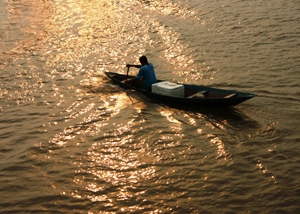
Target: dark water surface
[{"x": 72, "y": 142}]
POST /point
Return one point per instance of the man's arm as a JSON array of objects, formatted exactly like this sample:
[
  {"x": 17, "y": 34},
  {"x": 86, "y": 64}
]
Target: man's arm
[{"x": 135, "y": 66}]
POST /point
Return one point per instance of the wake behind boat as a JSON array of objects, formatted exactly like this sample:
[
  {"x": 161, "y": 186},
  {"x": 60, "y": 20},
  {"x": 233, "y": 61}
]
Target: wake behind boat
[{"x": 185, "y": 93}]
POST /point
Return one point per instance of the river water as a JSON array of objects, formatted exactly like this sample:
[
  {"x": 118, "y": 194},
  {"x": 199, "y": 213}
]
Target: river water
[{"x": 73, "y": 142}]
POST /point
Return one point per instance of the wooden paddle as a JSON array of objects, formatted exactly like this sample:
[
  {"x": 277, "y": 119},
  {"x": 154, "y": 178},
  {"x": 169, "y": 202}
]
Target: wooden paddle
[{"x": 127, "y": 75}]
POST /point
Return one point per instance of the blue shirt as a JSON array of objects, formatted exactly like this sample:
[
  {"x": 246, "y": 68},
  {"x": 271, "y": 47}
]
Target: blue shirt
[{"x": 148, "y": 74}]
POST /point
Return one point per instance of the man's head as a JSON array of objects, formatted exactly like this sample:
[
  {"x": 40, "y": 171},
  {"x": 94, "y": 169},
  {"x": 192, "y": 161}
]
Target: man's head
[{"x": 143, "y": 60}]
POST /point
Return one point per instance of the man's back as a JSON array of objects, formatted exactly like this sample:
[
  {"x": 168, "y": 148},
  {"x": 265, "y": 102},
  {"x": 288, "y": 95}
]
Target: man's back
[{"x": 148, "y": 74}]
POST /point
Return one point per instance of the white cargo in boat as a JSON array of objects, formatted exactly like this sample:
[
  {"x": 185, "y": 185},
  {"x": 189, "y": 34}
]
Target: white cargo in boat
[{"x": 168, "y": 88}]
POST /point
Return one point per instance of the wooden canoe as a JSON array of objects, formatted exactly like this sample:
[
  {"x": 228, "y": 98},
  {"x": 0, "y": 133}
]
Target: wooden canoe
[{"x": 193, "y": 94}]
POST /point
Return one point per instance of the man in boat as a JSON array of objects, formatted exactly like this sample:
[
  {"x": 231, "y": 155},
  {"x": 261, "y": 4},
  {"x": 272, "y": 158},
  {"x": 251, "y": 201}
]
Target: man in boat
[{"x": 146, "y": 75}]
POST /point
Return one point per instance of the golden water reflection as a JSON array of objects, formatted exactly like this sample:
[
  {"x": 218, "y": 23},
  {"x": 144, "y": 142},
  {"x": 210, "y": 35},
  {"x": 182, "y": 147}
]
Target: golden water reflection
[
  {"x": 175, "y": 125},
  {"x": 115, "y": 159},
  {"x": 87, "y": 38},
  {"x": 120, "y": 163},
  {"x": 170, "y": 8},
  {"x": 92, "y": 118}
]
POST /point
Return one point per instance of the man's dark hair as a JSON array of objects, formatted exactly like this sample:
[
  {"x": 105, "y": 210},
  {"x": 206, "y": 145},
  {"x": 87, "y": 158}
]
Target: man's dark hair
[{"x": 144, "y": 59}]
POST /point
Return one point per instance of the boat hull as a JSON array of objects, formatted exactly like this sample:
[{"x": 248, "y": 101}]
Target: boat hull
[{"x": 209, "y": 96}]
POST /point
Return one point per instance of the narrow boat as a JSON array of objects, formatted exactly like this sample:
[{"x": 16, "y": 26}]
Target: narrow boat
[{"x": 184, "y": 93}]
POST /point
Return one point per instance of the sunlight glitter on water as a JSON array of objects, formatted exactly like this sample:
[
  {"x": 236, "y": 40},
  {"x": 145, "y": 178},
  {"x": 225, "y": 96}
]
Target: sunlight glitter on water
[
  {"x": 73, "y": 141},
  {"x": 113, "y": 165}
]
